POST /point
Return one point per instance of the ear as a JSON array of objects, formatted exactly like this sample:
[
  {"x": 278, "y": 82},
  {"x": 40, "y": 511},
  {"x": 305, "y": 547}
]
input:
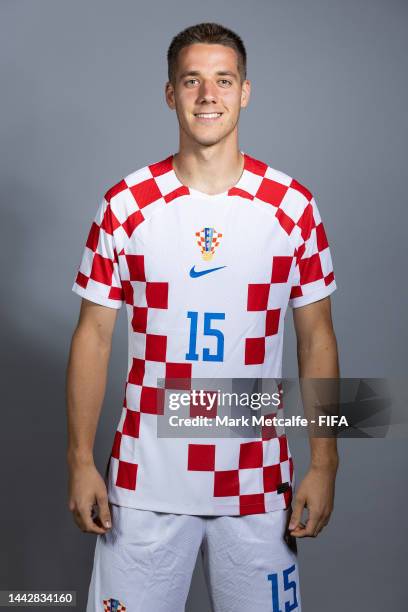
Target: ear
[
  {"x": 245, "y": 93},
  {"x": 169, "y": 95}
]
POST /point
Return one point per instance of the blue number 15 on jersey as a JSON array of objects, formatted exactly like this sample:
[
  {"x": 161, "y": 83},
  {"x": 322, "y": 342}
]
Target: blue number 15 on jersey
[{"x": 208, "y": 330}]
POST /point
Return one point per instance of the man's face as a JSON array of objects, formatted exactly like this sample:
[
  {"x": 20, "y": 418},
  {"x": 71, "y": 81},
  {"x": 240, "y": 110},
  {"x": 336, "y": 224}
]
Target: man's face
[{"x": 208, "y": 93}]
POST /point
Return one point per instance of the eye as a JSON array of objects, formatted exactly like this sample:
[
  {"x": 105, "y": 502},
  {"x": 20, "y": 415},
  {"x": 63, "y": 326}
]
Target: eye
[
  {"x": 225, "y": 81},
  {"x": 189, "y": 81}
]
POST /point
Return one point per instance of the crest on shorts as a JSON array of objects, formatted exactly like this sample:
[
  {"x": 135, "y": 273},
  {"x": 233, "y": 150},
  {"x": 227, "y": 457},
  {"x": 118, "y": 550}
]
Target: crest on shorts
[
  {"x": 113, "y": 605},
  {"x": 208, "y": 239}
]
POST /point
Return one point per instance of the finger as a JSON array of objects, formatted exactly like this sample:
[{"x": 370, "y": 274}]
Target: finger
[
  {"x": 80, "y": 518},
  {"x": 311, "y": 525},
  {"x": 299, "y": 531},
  {"x": 322, "y": 524},
  {"x": 88, "y": 523},
  {"x": 104, "y": 512},
  {"x": 297, "y": 513},
  {"x": 77, "y": 519}
]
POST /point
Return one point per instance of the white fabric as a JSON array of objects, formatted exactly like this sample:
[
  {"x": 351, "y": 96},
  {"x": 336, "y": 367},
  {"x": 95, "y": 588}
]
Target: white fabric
[{"x": 146, "y": 561}]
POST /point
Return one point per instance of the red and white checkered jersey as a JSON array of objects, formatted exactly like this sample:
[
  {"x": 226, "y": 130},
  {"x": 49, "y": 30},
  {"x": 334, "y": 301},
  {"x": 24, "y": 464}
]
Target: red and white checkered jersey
[{"x": 206, "y": 281}]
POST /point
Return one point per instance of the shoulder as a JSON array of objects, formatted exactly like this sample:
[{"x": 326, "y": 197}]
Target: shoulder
[
  {"x": 126, "y": 182},
  {"x": 288, "y": 198},
  {"x": 136, "y": 189},
  {"x": 285, "y": 197},
  {"x": 128, "y": 202},
  {"x": 273, "y": 181}
]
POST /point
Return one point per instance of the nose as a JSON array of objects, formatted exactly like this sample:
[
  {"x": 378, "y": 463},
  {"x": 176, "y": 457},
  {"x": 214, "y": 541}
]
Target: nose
[{"x": 207, "y": 91}]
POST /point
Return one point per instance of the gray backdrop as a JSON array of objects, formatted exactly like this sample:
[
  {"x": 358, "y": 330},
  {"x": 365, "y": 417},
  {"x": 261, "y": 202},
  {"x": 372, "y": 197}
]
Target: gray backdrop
[{"x": 83, "y": 105}]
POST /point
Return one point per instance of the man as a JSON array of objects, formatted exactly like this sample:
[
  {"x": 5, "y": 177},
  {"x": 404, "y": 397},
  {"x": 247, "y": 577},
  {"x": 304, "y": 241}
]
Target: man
[{"x": 206, "y": 248}]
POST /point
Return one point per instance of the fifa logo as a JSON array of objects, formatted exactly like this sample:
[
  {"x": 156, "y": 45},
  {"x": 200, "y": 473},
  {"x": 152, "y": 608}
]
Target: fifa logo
[{"x": 208, "y": 239}]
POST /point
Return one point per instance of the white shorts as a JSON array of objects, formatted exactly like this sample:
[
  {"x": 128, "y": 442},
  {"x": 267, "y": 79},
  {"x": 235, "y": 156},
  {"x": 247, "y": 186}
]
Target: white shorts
[{"x": 146, "y": 561}]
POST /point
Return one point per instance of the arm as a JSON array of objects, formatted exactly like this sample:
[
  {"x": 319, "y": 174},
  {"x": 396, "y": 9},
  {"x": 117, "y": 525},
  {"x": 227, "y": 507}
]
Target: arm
[
  {"x": 85, "y": 389},
  {"x": 317, "y": 358}
]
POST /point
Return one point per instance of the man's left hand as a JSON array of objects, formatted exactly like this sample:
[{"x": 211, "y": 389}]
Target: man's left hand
[{"x": 316, "y": 493}]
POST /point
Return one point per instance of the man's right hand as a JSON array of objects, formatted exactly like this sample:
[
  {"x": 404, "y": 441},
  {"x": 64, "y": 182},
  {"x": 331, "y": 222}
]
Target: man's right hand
[{"x": 87, "y": 489}]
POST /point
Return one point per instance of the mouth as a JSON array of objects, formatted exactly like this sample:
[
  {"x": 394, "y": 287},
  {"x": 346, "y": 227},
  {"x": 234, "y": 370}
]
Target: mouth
[{"x": 207, "y": 116}]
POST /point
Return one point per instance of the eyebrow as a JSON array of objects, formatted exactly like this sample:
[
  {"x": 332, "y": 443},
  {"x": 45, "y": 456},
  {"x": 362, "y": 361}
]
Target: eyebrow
[{"x": 197, "y": 73}]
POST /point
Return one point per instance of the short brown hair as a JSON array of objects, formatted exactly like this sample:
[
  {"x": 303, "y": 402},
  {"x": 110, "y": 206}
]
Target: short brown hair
[{"x": 208, "y": 33}]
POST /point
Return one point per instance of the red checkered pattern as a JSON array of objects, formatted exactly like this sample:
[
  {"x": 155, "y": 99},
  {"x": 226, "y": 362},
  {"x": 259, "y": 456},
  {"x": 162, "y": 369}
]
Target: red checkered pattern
[
  {"x": 98, "y": 273},
  {"x": 253, "y": 468},
  {"x": 142, "y": 400},
  {"x": 140, "y": 249},
  {"x": 257, "y": 300},
  {"x": 313, "y": 265}
]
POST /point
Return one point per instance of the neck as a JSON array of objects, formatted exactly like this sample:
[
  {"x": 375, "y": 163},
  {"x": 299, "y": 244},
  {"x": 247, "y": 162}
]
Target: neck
[{"x": 207, "y": 169}]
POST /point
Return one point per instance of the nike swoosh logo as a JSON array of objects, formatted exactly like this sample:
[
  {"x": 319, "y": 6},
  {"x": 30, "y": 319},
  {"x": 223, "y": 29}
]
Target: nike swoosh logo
[{"x": 196, "y": 273}]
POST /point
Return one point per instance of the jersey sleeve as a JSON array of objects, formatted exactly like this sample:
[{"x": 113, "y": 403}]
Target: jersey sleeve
[
  {"x": 313, "y": 277},
  {"x": 98, "y": 276}
]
